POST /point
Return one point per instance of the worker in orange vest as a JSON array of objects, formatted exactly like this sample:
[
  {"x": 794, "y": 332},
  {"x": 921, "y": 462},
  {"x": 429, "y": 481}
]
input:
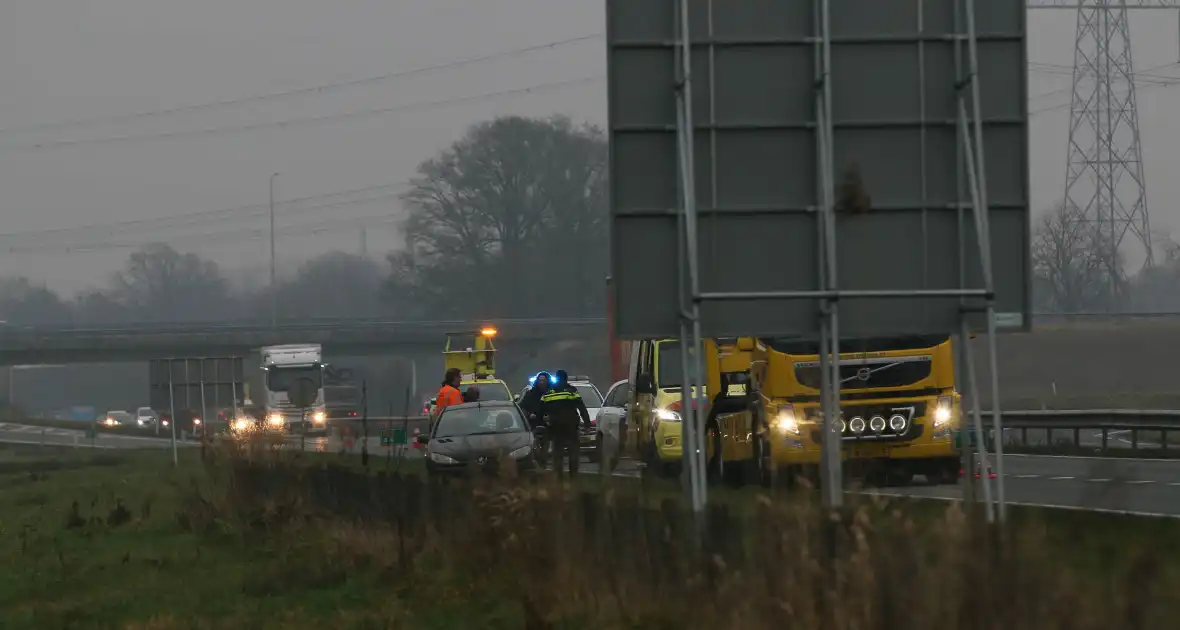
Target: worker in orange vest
[{"x": 449, "y": 394}]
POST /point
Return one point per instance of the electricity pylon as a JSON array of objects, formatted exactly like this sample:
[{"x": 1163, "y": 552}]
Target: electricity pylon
[{"x": 1104, "y": 173}]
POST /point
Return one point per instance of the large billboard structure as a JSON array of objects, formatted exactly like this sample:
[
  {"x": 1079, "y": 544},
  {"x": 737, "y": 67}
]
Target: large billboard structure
[{"x": 817, "y": 169}]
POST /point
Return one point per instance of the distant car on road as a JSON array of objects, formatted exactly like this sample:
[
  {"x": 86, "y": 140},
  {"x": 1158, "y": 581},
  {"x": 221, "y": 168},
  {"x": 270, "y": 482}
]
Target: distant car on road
[
  {"x": 146, "y": 417},
  {"x": 116, "y": 418}
]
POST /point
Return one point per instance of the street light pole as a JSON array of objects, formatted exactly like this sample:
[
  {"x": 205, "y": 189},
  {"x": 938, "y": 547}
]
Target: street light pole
[{"x": 274, "y": 304}]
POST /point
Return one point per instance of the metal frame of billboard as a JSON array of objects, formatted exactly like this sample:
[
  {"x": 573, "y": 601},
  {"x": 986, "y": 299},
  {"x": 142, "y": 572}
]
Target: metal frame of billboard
[{"x": 756, "y": 45}]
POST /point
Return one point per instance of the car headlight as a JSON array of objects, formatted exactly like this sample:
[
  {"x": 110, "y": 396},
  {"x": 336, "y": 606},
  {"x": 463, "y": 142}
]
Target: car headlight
[
  {"x": 943, "y": 411},
  {"x": 196, "y": 421},
  {"x": 668, "y": 415},
  {"x": 319, "y": 416},
  {"x": 241, "y": 424},
  {"x": 521, "y": 452},
  {"x": 274, "y": 420},
  {"x": 439, "y": 458}
]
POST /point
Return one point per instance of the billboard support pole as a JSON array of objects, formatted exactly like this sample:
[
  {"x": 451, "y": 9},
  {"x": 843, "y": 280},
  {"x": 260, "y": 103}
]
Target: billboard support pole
[
  {"x": 690, "y": 325},
  {"x": 172, "y": 412},
  {"x": 831, "y": 479}
]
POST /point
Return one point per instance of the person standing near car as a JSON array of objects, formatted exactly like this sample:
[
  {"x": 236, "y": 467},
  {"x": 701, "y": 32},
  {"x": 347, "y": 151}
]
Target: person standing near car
[
  {"x": 565, "y": 408},
  {"x": 449, "y": 394},
  {"x": 530, "y": 403}
]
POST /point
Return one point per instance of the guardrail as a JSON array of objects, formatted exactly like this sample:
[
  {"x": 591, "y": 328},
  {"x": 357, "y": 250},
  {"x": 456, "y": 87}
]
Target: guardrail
[{"x": 1103, "y": 423}]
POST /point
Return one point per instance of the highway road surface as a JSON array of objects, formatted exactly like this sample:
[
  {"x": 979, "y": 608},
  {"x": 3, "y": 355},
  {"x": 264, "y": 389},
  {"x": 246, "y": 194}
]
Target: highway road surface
[
  {"x": 1136, "y": 486},
  {"x": 52, "y": 436}
]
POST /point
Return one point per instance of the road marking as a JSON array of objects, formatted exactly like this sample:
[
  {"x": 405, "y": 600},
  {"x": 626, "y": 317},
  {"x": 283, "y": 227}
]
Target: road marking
[
  {"x": 1141, "y": 481},
  {"x": 1051, "y": 506},
  {"x": 1098, "y": 480},
  {"x": 1025, "y": 476},
  {"x": 1170, "y": 460},
  {"x": 1059, "y": 478},
  {"x": 57, "y": 444}
]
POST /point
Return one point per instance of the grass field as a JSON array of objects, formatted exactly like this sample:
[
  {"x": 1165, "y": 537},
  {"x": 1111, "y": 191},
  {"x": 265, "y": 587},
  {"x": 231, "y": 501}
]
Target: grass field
[{"x": 258, "y": 540}]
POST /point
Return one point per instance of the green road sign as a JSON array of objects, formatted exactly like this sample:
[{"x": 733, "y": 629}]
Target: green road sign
[{"x": 393, "y": 437}]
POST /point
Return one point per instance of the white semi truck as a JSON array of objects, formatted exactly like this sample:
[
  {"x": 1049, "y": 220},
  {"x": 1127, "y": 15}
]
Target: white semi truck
[{"x": 267, "y": 396}]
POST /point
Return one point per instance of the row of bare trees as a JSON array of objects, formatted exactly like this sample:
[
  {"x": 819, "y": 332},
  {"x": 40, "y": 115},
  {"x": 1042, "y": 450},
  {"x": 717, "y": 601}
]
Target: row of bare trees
[
  {"x": 1076, "y": 271},
  {"x": 510, "y": 220}
]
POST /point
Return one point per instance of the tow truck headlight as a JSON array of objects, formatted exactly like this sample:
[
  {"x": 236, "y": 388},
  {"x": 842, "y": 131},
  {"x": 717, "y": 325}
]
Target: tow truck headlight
[
  {"x": 241, "y": 424},
  {"x": 275, "y": 420},
  {"x": 439, "y": 458},
  {"x": 897, "y": 422},
  {"x": 785, "y": 421},
  {"x": 319, "y": 416},
  {"x": 857, "y": 424},
  {"x": 943, "y": 411},
  {"x": 668, "y": 415},
  {"x": 196, "y": 422}
]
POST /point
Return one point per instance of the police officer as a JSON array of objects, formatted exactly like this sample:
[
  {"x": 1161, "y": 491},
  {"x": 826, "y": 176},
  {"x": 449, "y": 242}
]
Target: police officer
[{"x": 563, "y": 404}]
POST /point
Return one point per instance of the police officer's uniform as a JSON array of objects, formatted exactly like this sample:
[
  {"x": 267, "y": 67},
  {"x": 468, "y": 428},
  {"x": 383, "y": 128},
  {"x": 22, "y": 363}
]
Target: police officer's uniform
[{"x": 565, "y": 408}]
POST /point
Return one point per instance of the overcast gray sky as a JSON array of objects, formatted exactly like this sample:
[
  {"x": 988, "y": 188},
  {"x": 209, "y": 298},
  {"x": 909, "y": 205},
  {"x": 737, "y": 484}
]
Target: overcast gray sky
[{"x": 66, "y": 60}]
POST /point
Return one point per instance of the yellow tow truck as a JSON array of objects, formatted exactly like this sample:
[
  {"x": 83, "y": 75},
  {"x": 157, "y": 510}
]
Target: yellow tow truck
[
  {"x": 473, "y": 353},
  {"x": 900, "y": 410}
]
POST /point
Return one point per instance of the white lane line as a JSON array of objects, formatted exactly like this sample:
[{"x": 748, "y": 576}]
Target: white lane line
[
  {"x": 1051, "y": 506},
  {"x": 1140, "y": 481},
  {"x": 1059, "y": 478},
  {"x": 1098, "y": 480},
  {"x": 1174, "y": 483},
  {"x": 1025, "y": 476},
  {"x": 53, "y": 444}
]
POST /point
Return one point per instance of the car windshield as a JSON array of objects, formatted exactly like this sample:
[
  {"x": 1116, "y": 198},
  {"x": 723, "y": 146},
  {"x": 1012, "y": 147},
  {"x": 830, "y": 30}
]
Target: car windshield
[
  {"x": 145, "y": 411},
  {"x": 589, "y": 395},
  {"x": 279, "y": 379},
  {"x": 479, "y": 421},
  {"x": 489, "y": 392}
]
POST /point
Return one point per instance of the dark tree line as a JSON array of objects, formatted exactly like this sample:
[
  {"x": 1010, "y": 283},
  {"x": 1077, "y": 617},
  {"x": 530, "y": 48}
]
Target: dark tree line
[{"x": 508, "y": 221}]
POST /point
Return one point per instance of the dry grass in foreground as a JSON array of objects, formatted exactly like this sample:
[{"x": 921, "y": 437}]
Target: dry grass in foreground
[{"x": 539, "y": 555}]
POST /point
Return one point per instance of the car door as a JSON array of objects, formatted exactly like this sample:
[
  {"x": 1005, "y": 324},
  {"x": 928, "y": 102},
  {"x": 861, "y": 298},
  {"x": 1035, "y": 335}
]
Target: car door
[
  {"x": 641, "y": 400},
  {"x": 614, "y": 409}
]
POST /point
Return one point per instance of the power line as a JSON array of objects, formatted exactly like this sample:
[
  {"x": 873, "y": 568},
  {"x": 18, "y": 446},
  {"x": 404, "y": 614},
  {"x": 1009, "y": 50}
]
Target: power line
[
  {"x": 329, "y": 225},
  {"x": 220, "y": 213},
  {"x": 291, "y": 122},
  {"x": 307, "y": 90}
]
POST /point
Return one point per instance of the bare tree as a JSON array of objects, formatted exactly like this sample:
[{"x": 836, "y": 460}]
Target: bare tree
[
  {"x": 1072, "y": 270},
  {"x": 158, "y": 283}
]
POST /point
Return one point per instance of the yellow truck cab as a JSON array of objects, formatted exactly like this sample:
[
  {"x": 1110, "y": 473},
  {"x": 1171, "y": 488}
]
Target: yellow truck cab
[
  {"x": 475, "y": 360},
  {"x": 900, "y": 410},
  {"x": 650, "y": 431}
]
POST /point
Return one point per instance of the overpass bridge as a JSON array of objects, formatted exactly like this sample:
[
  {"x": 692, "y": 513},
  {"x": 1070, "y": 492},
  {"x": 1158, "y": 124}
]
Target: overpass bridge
[
  {"x": 360, "y": 337},
  {"x": 341, "y": 337}
]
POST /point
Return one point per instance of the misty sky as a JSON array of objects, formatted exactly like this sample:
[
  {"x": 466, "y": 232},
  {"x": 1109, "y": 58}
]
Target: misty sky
[{"x": 67, "y": 60}]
